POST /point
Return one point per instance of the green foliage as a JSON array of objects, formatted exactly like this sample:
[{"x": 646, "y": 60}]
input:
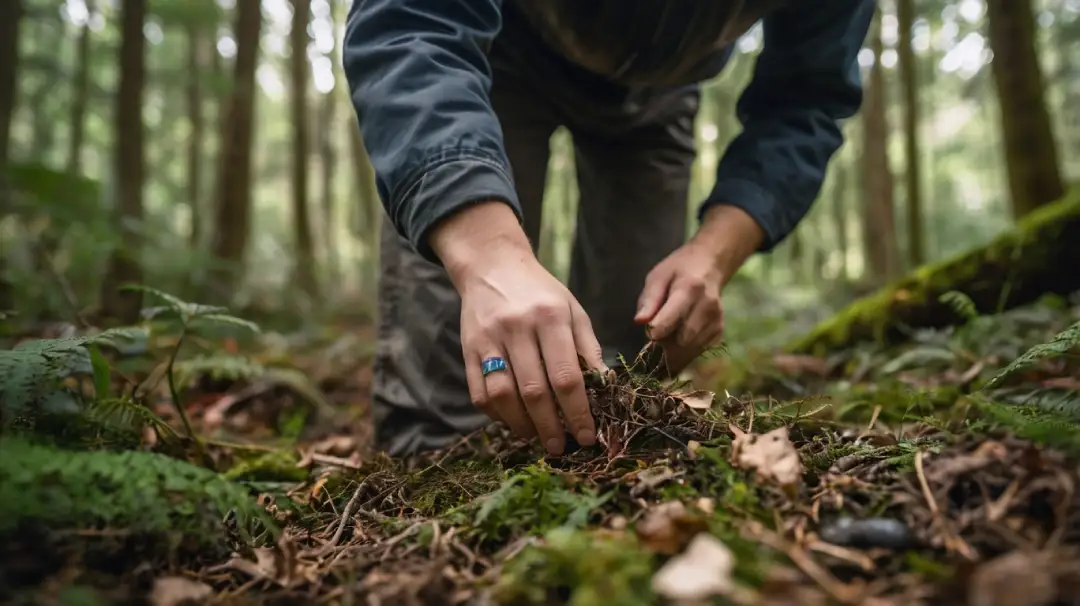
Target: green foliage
[
  {"x": 218, "y": 366},
  {"x": 1041, "y": 426},
  {"x": 32, "y": 372},
  {"x": 140, "y": 492},
  {"x": 190, "y": 315},
  {"x": 961, "y": 304},
  {"x": 1061, "y": 344},
  {"x": 579, "y": 569},
  {"x": 533, "y": 501}
]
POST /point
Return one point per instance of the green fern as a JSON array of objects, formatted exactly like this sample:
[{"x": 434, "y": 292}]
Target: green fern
[
  {"x": 961, "y": 304},
  {"x": 32, "y": 372},
  {"x": 1061, "y": 344},
  {"x": 218, "y": 366},
  {"x": 190, "y": 314}
]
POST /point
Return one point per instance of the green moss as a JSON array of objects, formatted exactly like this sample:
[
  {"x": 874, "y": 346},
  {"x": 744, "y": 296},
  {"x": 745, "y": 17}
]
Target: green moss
[
  {"x": 579, "y": 569},
  {"x": 275, "y": 466},
  {"x": 43, "y": 487},
  {"x": 983, "y": 274}
]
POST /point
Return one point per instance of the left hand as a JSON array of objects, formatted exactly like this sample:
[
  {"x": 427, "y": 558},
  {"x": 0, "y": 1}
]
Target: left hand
[{"x": 681, "y": 302}]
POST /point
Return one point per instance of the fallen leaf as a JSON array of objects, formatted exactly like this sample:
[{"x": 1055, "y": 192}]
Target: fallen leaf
[
  {"x": 668, "y": 527},
  {"x": 179, "y": 591},
  {"x": 1014, "y": 578},
  {"x": 698, "y": 400},
  {"x": 648, "y": 479},
  {"x": 702, "y": 571},
  {"x": 771, "y": 456}
]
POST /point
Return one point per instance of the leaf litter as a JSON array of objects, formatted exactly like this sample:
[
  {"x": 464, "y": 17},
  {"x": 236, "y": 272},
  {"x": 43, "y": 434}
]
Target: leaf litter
[{"x": 897, "y": 485}]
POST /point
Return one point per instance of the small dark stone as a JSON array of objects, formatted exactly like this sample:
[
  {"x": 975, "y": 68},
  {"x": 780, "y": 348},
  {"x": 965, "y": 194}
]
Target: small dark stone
[{"x": 867, "y": 533}]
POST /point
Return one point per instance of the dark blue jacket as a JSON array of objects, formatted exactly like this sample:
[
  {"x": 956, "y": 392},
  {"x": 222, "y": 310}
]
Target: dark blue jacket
[{"x": 420, "y": 77}]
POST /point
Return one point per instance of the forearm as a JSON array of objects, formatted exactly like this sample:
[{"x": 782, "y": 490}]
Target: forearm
[
  {"x": 419, "y": 79},
  {"x": 477, "y": 235},
  {"x": 806, "y": 82}
]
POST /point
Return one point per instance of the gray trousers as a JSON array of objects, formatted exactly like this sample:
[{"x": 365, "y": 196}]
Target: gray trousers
[{"x": 633, "y": 152}]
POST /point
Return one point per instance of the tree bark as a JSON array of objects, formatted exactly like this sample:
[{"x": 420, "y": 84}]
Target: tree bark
[
  {"x": 329, "y": 155},
  {"x": 369, "y": 212},
  {"x": 840, "y": 212},
  {"x": 80, "y": 95},
  {"x": 1030, "y": 151},
  {"x": 196, "y": 64},
  {"x": 879, "y": 222},
  {"x": 232, "y": 200},
  {"x": 1035, "y": 258},
  {"x": 124, "y": 265},
  {"x": 10, "y": 18},
  {"x": 905, "y": 13},
  {"x": 305, "y": 250}
]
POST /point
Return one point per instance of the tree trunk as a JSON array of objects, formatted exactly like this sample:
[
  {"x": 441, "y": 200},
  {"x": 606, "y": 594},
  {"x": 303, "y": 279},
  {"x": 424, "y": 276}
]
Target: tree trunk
[
  {"x": 328, "y": 153},
  {"x": 1035, "y": 258},
  {"x": 305, "y": 250},
  {"x": 840, "y": 216},
  {"x": 1030, "y": 151},
  {"x": 124, "y": 262},
  {"x": 10, "y": 19},
  {"x": 196, "y": 64},
  {"x": 369, "y": 212},
  {"x": 905, "y": 12},
  {"x": 879, "y": 222},
  {"x": 80, "y": 95},
  {"x": 232, "y": 213}
]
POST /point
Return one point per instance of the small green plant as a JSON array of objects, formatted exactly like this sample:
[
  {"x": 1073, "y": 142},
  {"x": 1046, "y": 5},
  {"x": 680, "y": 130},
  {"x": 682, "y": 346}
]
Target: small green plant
[
  {"x": 961, "y": 304},
  {"x": 1061, "y": 344},
  {"x": 533, "y": 501}
]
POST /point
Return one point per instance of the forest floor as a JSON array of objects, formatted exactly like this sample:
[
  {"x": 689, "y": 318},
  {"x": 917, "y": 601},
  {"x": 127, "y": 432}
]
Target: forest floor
[{"x": 907, "y": 474}]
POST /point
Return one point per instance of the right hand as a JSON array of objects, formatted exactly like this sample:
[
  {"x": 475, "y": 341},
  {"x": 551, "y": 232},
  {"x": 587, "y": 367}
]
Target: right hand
[{"x": 513, "y": 308}]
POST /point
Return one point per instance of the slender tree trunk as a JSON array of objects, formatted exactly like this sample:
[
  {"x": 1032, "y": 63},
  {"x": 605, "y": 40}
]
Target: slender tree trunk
[
  {"x": 80, "y": 95},
  {"x": 905, "y": 11},
  {"x": 232, "y": 213},
  {"x": 879, "y": 222},
  {"x": 1031, "y": 156},
  {"x": 305, "y": 248},
  {"x": 840, "y": 207},
  {"x": 196, "y": 64},
  {"x": 10, "y": 19},
  {"x": 369, "y": 212},
  {"x": 124, "y": 263},
  {"x": 328, "y": 153}
]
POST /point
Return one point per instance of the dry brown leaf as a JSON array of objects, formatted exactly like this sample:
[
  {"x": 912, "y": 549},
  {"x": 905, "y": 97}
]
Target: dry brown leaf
[
  {"x": 702, "y": 571},
  {"x": 668, "y": 527},
  {"x": 179, "y": 591},
  {"x": 771, "y": 456},
  {"x": 1014, "y": 578},
  {"x": 698, "y": 400}
]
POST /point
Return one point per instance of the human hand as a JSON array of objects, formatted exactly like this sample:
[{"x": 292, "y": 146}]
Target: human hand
[
  {"x": 514, "y": 309},
  {"x": 681, "y": 301},
  {"x": 681, "y": 305}
]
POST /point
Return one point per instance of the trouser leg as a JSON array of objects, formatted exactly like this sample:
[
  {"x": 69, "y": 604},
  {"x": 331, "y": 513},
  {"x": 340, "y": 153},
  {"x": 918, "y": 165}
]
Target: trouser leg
[
  {"x": 634, "y": 186},
  {"x": 419, "y": 391}
]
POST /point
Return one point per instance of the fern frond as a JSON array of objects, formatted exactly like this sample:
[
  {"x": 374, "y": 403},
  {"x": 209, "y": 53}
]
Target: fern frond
[
  {"x": 1062, "y": 343},
  {"x": 218, "y": 366},
  {"x": 961, "y": 304}
]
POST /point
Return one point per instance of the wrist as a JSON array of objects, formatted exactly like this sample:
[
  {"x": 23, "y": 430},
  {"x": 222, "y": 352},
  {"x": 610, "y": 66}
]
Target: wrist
[
  {"x": 730, "y": 235},
  {"x": 470, "y": 239}
]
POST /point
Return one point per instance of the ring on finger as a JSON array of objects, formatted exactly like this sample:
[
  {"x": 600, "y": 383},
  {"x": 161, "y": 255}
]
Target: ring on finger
[{"x": 493, "y": 364}]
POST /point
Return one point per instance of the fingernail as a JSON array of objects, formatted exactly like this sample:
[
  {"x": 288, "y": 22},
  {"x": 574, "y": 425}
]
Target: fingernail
[
  {"x": 586, "y": 437},
  {"x": 553, "y": 446}
]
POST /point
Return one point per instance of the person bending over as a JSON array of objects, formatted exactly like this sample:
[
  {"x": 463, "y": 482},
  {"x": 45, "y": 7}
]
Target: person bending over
[{"x": 457, "y": 101}]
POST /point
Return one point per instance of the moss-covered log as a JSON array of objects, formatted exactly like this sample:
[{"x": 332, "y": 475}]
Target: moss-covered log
[{"x": 1040, "y": 256}]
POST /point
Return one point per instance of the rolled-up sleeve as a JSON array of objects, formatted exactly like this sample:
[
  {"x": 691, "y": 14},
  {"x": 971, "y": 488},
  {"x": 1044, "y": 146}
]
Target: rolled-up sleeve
[
  {"x": 806, "y": 81},
  {"x": 419, "y": 79}
]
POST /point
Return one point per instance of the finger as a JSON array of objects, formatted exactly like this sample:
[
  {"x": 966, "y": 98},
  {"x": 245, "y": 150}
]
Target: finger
[
  {"x": 671, "y": 315},
  {"x": 474, "y": 376},
  {"x": 657, "y": 285},
  {"x": 585, "y": 340},
  {"x": 535, "y": 392},
  {"x": 502, "y": 393},
  {"x": 564, "y": 374},
  {"x": 699, "y": 323}
]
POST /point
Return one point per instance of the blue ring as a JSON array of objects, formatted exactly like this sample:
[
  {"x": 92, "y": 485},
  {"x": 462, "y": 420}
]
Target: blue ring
[{"x": 491, "y": 365}]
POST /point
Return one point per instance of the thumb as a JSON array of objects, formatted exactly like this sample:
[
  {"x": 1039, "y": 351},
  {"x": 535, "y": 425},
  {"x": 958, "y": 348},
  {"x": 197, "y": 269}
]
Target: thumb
[{"x": 653, "y": 295}]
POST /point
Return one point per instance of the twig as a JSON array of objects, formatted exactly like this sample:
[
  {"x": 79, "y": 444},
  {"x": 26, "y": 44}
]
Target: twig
[
  {"x": 342, "y": 522},
  {"x": 952, "y": 540}
]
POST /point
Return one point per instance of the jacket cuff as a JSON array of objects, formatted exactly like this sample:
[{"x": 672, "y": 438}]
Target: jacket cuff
[
  {"x": 755, "y": 201},
  {"x": 447, "y": 186}
]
